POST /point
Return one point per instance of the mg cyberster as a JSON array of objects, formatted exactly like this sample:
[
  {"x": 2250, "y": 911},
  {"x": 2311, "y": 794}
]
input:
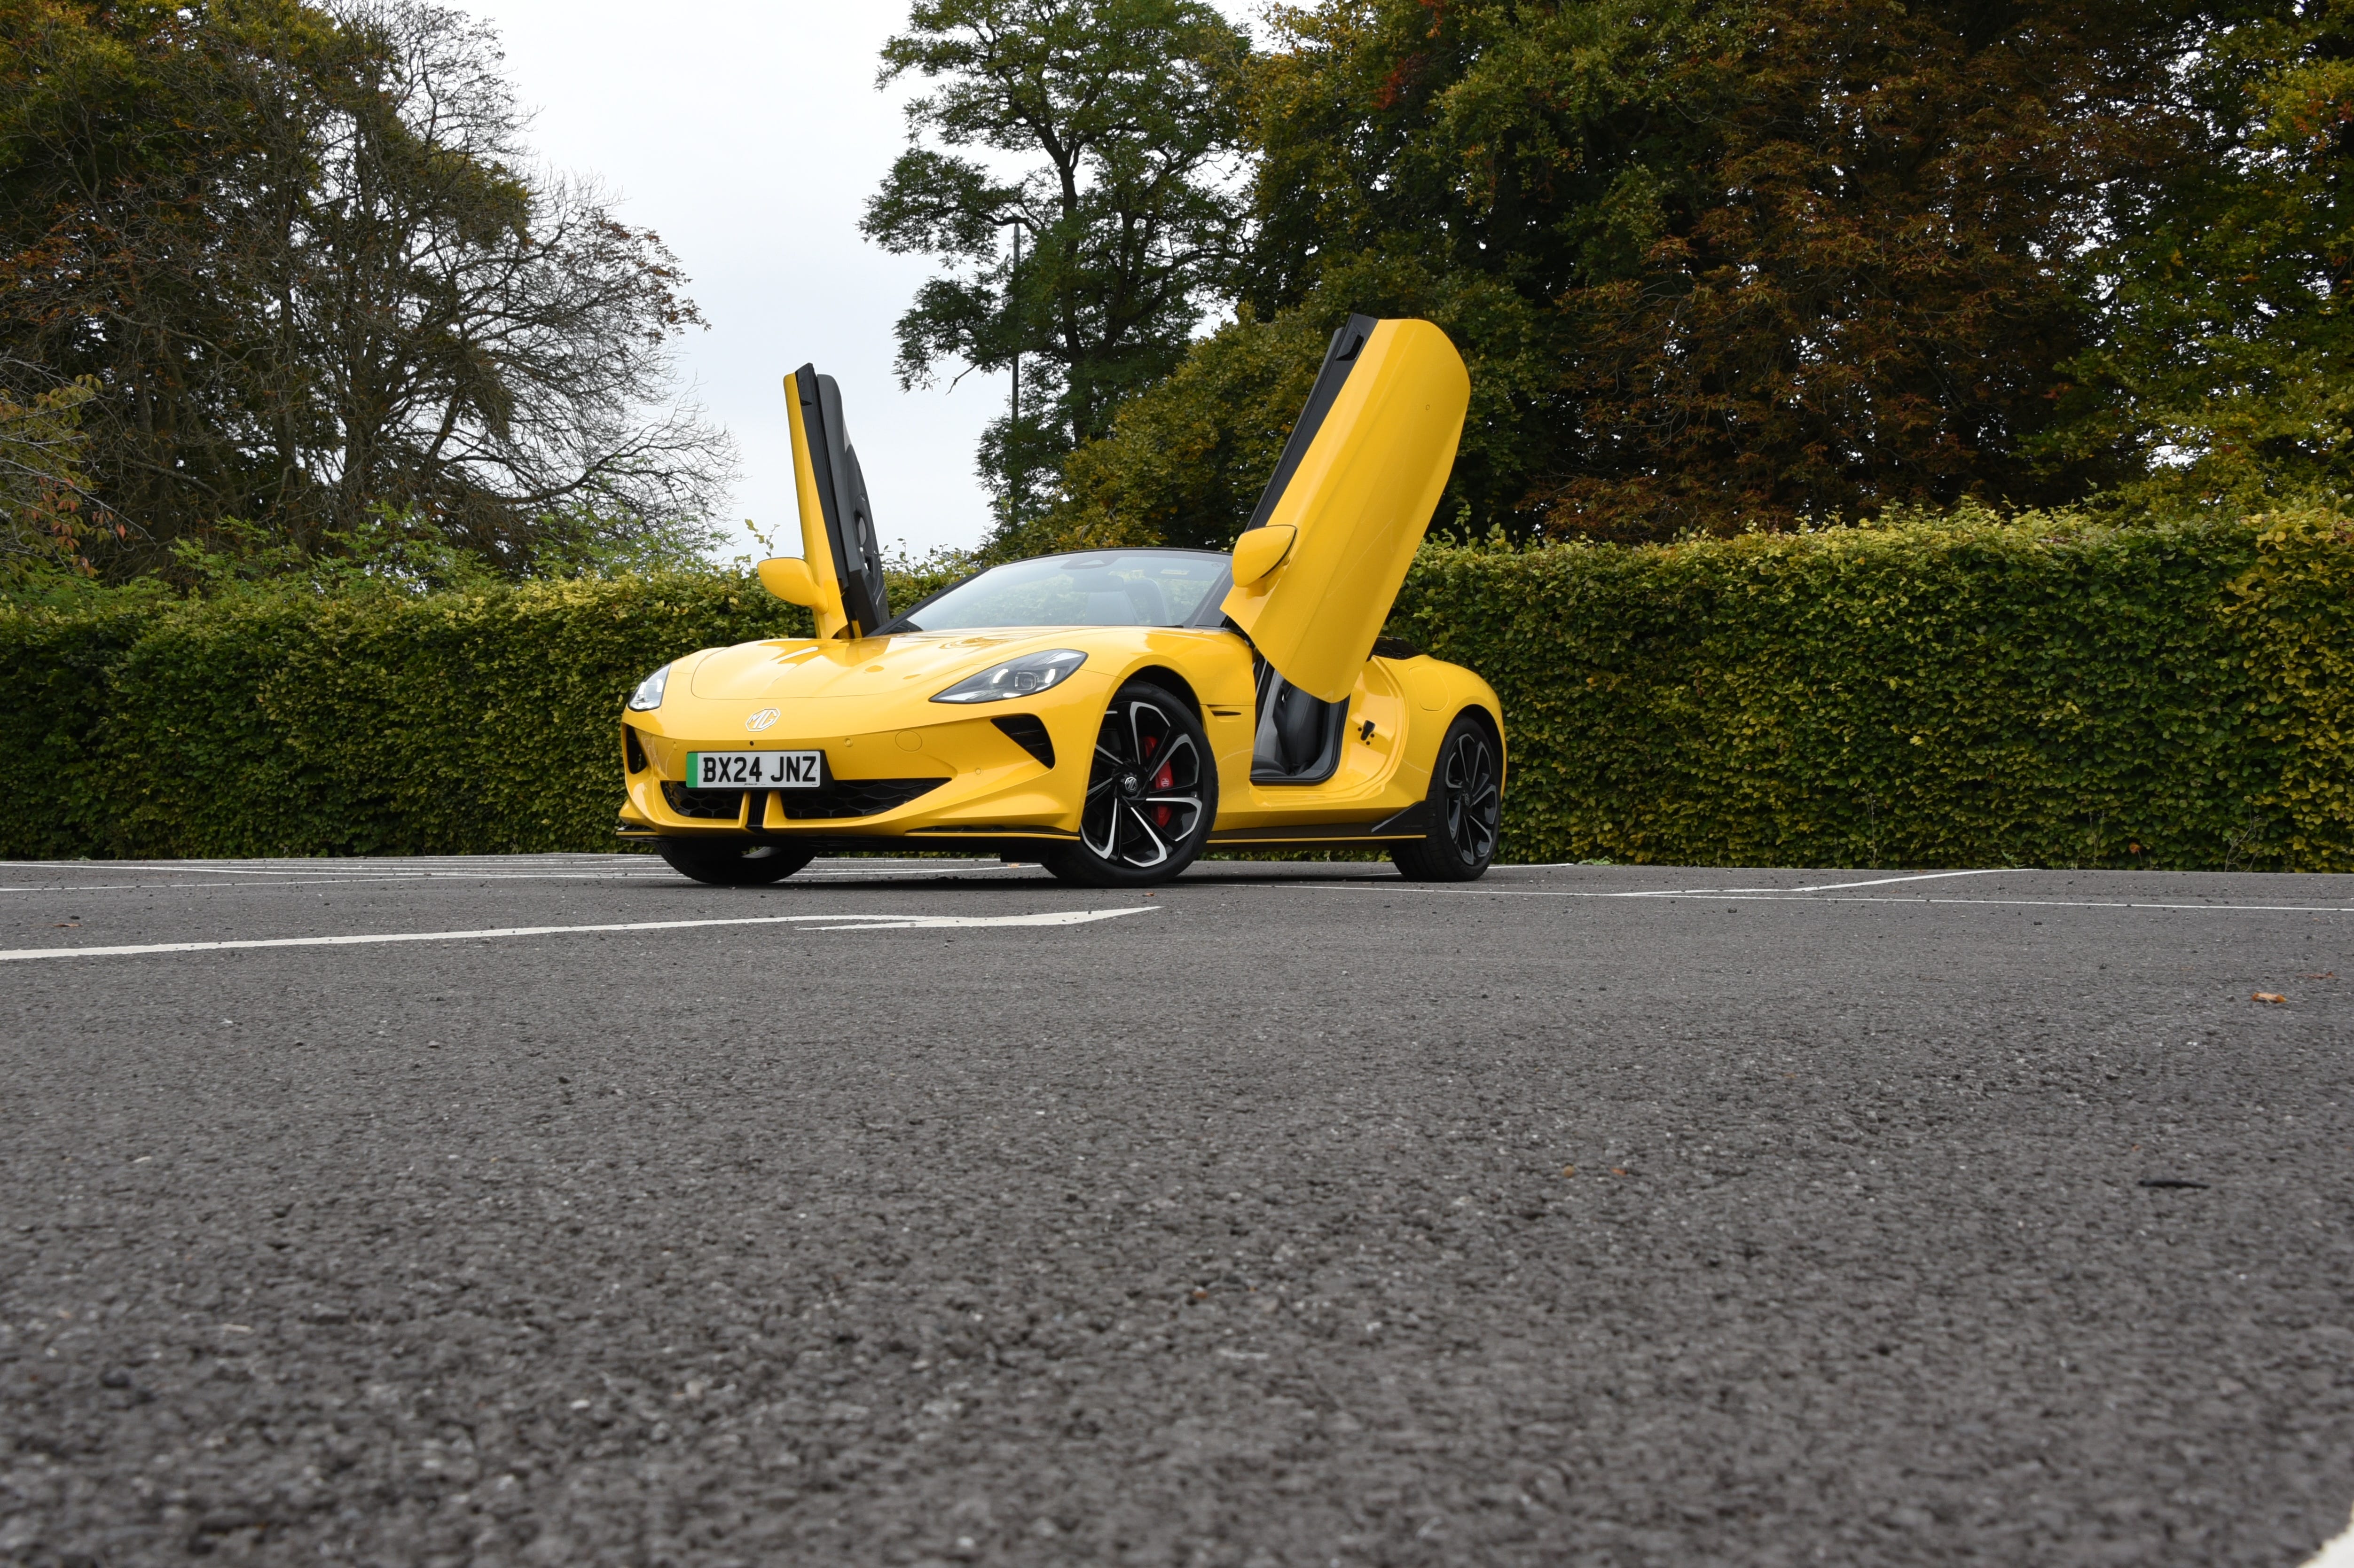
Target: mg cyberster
[{"x": 1111, "y": 714}]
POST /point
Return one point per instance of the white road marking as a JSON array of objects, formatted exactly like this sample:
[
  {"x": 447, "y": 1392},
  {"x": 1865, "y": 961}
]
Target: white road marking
[
  {"x": 2337, "y": 1553},
  {"x": 1822, "y": 887},
  {"x": 2113, "y": 904},
  {"x": 1802, "y": 895},
  {"x": 1884, "y": 881},
  {"x": 868, "y": 922}
]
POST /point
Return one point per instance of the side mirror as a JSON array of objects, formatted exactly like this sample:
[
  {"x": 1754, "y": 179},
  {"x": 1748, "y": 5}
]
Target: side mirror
[
  {"x": 790, "y": 578},
  {"x": 1261, "y": 550}
]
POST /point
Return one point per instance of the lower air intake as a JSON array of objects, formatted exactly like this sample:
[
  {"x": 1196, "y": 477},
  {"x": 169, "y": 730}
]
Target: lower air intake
[
  {"x": 855, "y": 797},
  {"x": 842, "y": 798},
  {"x": 708, "y": 805}
]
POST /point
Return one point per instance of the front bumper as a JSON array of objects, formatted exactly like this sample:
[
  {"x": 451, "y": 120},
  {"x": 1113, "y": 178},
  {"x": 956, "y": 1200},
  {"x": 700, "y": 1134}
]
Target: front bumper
[{"x": 969, "y": 775}]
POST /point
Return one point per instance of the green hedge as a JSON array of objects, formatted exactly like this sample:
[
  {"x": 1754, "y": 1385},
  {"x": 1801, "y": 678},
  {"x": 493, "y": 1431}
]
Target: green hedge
[
  {"x": 1958, "y": 693},
  {"x": 371, "y": 723},
  {"x": 1963, "y": 692}
]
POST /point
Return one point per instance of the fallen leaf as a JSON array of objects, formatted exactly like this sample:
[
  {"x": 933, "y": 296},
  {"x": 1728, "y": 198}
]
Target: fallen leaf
[
  {"x": 1618, "y": 1171},
  {"x": 2271, "y": 996}
]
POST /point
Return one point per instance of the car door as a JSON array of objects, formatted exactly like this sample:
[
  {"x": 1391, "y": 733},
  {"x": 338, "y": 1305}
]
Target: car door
[
  {"x": 837, "y": 526},
  {"x": 1349, "y": 501}
]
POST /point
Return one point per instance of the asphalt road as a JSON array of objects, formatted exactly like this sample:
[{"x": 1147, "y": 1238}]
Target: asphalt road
[{"x": 1237, "y": 1225}]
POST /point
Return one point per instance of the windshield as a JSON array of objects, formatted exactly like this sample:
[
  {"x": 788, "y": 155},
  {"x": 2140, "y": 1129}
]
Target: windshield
[{"x": 1096, "y": 587}]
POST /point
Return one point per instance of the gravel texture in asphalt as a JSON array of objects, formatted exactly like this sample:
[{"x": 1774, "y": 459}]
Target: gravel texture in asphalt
[{"x": 932, "y": 1212}]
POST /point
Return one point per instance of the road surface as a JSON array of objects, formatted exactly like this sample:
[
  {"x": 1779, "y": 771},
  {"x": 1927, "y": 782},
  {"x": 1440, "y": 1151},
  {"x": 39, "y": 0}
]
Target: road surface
[{"x": 554, "y": 1209}]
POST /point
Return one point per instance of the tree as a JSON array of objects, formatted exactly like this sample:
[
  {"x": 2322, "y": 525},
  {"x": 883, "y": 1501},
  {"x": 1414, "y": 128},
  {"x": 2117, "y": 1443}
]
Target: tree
[
  {"x": 304, "y": 258},
  {"x": 2225, "y": 368},
  {"x": 1717, "y": 265},
  {"x": 45, "y": 512},
  {"x": 1127, "y": 224}
]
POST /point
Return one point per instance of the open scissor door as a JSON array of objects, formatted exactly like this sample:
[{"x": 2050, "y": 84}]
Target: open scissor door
[
  {"x": 1350, "y": 502},
  {"x": 837, "y": 526}
]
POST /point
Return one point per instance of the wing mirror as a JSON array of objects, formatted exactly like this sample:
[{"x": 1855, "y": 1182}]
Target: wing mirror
[
  {"x": 790, "y": 578},
  {"x": 1261, "y": 550}
]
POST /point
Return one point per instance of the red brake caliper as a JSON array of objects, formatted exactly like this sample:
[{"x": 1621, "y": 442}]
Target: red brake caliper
[{"x": 1163, "y": 780}]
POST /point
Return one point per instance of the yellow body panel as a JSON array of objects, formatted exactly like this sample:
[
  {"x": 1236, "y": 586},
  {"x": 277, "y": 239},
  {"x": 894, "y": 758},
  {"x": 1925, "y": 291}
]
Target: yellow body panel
[
  {"x": 1357, "y": 502},
  {"x": 816, "y": 549},
  {"x": 866, "y": 704}
]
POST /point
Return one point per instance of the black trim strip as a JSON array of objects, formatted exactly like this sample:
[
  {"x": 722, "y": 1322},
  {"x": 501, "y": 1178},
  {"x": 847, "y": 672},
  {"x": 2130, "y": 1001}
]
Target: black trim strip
[
  {"x": 1339, "y": 360},
  {"x": 1056, "y": 835},
  {"x": 842, "y": 496},
  {"x": 1291, "y": 842},
  {"x": 1312, "y": 832}
]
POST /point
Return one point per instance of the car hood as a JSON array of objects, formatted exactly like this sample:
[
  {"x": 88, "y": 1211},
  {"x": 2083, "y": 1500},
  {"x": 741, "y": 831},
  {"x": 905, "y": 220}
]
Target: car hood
[{"x": 870, "y": 667}]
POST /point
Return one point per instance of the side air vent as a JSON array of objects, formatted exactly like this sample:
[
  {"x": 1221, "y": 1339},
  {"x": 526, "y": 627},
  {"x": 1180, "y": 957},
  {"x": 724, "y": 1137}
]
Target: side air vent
[
  {"x": 1028, "y": 731},
  {"x": 633, "y": 750}
]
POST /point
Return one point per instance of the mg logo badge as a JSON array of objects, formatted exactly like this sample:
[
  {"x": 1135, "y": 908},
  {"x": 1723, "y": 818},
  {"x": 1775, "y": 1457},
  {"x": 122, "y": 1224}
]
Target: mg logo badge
[{"x": 761, "y": 720}]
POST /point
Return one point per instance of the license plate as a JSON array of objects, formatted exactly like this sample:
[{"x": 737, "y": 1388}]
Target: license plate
[{"x": 755, "y": 769}]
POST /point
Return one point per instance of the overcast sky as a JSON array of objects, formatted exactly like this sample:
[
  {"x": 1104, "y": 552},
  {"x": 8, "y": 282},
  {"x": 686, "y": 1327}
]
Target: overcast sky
[{"x": 749, "y": 134}]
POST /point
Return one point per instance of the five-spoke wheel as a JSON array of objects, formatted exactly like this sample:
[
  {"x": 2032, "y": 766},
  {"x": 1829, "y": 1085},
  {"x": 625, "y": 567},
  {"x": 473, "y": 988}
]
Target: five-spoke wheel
[
  {"x": 1153, "y": 793},
  {"x": 1465, "y": 808}
]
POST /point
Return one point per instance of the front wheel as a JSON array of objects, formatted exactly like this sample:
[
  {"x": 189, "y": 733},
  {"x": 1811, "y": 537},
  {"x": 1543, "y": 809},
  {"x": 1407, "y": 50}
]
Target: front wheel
[
  {"x": 733, "y": 863},
  {"x": 1152, "y": 794},
  {"x": 1465, "y": 807}
]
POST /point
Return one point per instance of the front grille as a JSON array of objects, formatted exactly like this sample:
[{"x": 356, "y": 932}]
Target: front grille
[
  {"x": 715, "y": 805},
  {"x": 841, "y": 798},
  {"x": 853, "y": 797}
]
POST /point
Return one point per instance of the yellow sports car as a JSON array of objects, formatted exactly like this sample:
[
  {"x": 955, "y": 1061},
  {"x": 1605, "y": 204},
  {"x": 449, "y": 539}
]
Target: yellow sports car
[{"x": 1109, "y": 714}]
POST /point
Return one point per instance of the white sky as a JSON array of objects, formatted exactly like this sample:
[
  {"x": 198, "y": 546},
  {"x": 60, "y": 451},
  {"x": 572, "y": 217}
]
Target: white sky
[{"x": 749, "y": 135}]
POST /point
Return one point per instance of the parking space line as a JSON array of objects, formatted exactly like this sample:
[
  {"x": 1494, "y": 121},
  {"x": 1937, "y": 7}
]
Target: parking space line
[
  {"x": 1821, "y": 887},
  {"x": 2112, "y": 903},
  {"x": 867, "y": 920},
  {"x": 1798, "y": 896},
  {"x": 2335, "y": 1552}
]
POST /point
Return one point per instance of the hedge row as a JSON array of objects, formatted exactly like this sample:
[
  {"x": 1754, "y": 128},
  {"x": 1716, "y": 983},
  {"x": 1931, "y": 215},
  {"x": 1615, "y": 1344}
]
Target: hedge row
[
  {"x": 1960, "y": 693},
  {"x": 1966, "y": 692},
  {"x": 371, "y": 723}
]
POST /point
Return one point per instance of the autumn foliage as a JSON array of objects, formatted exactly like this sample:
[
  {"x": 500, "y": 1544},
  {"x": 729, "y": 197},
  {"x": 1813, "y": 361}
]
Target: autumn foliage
[{"x": 1763, "y": 266}]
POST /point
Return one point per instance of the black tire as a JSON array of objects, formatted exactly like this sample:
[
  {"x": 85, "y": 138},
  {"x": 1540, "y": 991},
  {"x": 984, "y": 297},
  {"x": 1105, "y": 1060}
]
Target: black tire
[
  {"x": 1466, "y": 806},
  {"x": 733, "y": 863},
  {"x": 1153, "y": 793}
]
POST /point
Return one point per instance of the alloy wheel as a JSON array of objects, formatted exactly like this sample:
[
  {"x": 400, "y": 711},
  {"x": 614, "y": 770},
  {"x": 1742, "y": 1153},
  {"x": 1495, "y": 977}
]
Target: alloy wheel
[
  {"x": 1474, "y": 803},
  {"x": 1144, "y": 793}
]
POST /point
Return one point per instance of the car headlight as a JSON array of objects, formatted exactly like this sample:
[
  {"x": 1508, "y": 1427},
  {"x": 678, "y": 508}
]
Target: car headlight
[
  {"x": 1023, "y": 677},
  {"x": 649, "y": 694}
]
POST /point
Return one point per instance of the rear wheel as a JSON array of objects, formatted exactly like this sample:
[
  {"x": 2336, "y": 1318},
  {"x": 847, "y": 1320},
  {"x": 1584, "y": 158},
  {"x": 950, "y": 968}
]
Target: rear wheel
[
  {"x": 1466, "y": 806},
  {"x": 1152, "y": 794},
  {"x": 733, "y": 863}
]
